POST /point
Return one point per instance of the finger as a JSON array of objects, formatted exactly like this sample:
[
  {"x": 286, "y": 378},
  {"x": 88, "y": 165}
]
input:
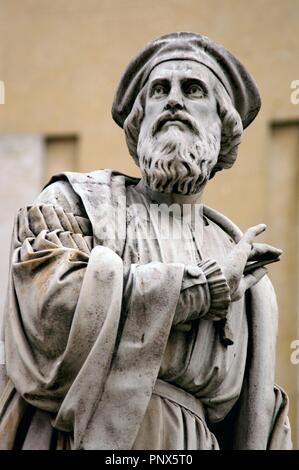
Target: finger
[
  {"x": 254, "y": 277},
  {"x": 248, "y": 281},
  {"x": 252, "y": 232},
  {"x": 262, "y": 251}
]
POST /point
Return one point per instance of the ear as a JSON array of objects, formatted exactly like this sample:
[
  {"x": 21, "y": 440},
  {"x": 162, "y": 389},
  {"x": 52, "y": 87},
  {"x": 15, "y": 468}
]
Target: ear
[{"x": 132, "y": 127}]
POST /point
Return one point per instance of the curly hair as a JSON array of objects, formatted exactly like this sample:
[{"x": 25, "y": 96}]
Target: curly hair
[{"x": 231, "y": 130}]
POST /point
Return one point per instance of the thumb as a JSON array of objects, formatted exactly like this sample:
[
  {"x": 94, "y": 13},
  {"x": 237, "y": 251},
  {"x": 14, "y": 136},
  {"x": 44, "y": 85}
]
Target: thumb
[
  {"x": 254, "y": 277},
  {"x": 248, "y": 281}
]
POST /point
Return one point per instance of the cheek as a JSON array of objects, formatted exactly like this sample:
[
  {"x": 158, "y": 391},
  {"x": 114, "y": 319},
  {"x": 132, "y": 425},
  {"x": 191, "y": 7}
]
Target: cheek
[
  {"x": 151, "y": 114},
  {"x": 154, "y": 108},
  {"x": 205, "y": 111}
]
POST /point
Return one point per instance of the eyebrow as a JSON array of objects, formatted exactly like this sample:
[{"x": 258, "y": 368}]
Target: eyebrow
[
  {"x": 159, "y": 80},
  {"x": 190, "y": 78}
]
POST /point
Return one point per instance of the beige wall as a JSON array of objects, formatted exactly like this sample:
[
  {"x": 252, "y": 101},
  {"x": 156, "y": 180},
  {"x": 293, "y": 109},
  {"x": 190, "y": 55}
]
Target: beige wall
[{"x": 61, "y": 60}]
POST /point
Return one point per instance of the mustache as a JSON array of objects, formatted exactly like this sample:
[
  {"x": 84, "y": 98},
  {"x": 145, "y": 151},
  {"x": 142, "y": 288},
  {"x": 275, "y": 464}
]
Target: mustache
[{"x": 177, "y": 116}]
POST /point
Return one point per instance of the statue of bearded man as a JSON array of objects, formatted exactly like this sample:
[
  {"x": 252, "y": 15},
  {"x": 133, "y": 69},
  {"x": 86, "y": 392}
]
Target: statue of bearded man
[{"x": 121, "y": 334}]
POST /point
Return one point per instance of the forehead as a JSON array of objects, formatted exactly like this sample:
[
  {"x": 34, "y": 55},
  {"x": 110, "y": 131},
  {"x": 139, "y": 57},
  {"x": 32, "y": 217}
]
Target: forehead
[{"x": 182, "y": 69}]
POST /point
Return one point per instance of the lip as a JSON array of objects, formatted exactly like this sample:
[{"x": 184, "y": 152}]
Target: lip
[{"x": 172, "y": 122}]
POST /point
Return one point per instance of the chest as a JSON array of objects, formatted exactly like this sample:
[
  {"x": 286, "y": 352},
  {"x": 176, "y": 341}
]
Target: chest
[{"x": 156, "y": 234}]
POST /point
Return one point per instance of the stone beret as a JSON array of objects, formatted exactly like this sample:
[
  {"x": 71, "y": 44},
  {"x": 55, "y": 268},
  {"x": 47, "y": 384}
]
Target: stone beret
[{"x": 239, "y": 85}]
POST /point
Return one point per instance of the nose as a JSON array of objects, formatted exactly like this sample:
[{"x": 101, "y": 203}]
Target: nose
[{"x": 175, "y": 100}]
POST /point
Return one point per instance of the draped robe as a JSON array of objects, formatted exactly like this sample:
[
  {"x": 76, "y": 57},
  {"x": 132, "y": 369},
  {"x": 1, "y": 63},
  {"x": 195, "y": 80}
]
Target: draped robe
[{"x": 90, "y": 327}]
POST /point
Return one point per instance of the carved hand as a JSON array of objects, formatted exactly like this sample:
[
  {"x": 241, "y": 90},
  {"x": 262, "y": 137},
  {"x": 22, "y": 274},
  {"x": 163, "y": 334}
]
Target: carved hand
[{"x": 247, "y": 250}]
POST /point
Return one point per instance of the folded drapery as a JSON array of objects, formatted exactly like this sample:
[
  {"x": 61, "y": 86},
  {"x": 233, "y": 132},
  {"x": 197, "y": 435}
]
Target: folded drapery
[{"x": 71, "y": 353}]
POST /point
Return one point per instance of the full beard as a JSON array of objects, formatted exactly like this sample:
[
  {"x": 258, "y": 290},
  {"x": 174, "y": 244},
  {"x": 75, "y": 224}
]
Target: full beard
[{"x": 175, "y": 162}]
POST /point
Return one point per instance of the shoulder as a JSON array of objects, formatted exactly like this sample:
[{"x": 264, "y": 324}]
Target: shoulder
[
  {"x": 84, "y": 193},
  {"x": 60, "y": 193}
]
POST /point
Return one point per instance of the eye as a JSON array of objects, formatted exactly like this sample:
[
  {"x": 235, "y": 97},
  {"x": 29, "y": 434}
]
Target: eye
[
  {"x": 159, "y": 90},
  {"x": 194, "y": 90}
]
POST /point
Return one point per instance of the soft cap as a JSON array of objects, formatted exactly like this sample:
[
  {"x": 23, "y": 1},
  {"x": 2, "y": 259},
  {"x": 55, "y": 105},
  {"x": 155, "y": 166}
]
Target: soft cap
[{"x": 240, "y": 86}]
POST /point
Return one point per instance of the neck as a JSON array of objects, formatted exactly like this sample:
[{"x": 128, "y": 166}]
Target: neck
[{"x": 184, "y": 201}]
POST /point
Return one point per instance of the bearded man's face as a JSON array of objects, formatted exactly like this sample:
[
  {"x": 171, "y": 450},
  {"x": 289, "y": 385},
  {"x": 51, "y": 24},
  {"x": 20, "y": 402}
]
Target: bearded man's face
[{"x": 180, "y": 134}]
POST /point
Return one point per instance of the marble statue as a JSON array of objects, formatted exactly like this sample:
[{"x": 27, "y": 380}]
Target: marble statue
[{"x": 137, "y": 317}]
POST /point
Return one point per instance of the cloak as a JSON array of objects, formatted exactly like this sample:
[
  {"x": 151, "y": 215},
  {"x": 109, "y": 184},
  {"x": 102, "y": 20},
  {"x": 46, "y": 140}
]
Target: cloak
[{"x": 94, "y": 377}]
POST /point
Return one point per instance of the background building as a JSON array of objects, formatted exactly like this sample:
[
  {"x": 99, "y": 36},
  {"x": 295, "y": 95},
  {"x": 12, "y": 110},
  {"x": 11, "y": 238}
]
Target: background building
[{"x": 60, "y": 62}]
